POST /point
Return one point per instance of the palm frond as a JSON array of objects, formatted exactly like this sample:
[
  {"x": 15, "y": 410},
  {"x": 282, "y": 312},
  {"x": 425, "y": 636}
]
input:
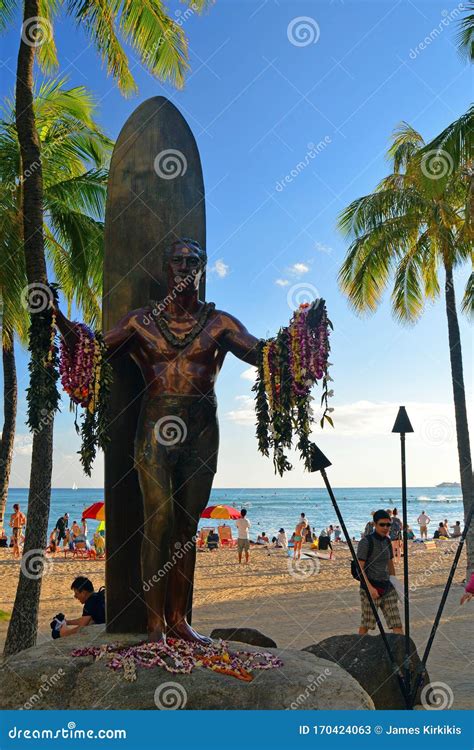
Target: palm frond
[
  {"x": 465, "y": 37},
  {"x": 405, "y": 143}
]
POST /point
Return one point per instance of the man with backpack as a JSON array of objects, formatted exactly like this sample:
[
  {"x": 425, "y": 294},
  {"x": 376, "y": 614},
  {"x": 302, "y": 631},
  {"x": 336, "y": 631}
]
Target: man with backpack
[
  {"x": 93, "y": 610},
  {"x": 375, "y": 556}
]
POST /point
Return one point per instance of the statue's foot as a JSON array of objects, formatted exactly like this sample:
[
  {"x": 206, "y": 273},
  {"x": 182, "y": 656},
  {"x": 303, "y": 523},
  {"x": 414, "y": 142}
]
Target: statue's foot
[
  {"x": 156, "y": 635},
  {"x": 185, "y": 632}
]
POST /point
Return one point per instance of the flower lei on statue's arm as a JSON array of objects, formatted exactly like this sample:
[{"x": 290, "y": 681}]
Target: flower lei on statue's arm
[
  {"x": 86, "y": 376},
  {"x": 287, "y": 368}
]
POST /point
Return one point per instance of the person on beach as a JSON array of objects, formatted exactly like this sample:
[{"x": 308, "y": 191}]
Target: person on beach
[
  {"x": 456, "y": 530},
  {"x": 337, "y": 533},
  {"x": 410, "y": 533},
  {"x": 61, "y": 526},
  {"x": 99, "y": 544},
  {"x": 375, "y": 556},
  {"x": 468, "y": 591},
  {"x": 282, "y": 539},
  {"x": 93, "y": 610},
  {"x": 300, "y": 530},
  {"x": 243, "y": 535},
  {"x": 446, "y": 528},
  {"x": 17, "y": 521},
  {"x": 75, "y": 530},
  {"x": 423, "y": 521},
  {"x": 369, "y": 526},
  {"x": 396, "y": 535}
]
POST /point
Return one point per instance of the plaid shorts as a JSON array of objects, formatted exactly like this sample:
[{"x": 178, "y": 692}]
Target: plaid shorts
[{"x": 388, "y": 603}]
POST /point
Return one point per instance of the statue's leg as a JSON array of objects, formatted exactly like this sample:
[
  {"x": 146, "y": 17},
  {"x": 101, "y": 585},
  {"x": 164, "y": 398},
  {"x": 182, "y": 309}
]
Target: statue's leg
[
  {"x": 192, "y": 485},
  {"x": 189, "y": 502},
  {"x": 154, "y": 475}
]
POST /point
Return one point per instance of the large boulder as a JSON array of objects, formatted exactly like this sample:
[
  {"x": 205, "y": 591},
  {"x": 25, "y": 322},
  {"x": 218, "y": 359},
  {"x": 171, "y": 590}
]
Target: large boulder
[
  {"x": 47, "y": 677},
  {"x": 244, "y": 635},
  {"x": 366, "y": 659}
]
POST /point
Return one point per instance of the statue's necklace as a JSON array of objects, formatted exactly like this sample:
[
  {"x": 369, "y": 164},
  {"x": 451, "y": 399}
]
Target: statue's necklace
[{"x": 185, "y": 339}]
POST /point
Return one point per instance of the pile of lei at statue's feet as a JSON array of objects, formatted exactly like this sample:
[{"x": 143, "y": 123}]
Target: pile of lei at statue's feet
[{"x": 181, "y": 657}]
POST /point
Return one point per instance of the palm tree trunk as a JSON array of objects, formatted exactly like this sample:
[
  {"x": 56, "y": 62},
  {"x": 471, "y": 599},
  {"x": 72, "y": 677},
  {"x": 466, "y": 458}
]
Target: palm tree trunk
[
  {"x": 10, "y": 395},
  {"x": 460, "y": 410},
  {"x": 23, "y": 625}
]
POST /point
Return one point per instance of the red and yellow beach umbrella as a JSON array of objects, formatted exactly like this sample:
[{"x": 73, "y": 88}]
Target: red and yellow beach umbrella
[
  {"x": 222, "y": 512},
  {"x": 96, "y": 512}
]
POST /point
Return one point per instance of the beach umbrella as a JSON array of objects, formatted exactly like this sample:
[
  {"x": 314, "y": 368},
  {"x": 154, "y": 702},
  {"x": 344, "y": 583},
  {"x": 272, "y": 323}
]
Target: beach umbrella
[
  {"x": 96, "y": 512},
  {"x": 101, "y": 527},
  {"x": 223, "y": 512}
]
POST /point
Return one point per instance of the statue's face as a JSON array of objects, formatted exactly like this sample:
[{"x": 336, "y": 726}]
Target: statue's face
[{"x": 185, "y": 268}]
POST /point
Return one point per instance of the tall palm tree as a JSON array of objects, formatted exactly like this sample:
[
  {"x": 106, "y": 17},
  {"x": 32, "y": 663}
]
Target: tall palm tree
[
  {"x": 161, "y": 46},
  {"x": 466, "y": 32},
  {"x": 74, "y": 199},
  {"x": 407, "y": 229}
]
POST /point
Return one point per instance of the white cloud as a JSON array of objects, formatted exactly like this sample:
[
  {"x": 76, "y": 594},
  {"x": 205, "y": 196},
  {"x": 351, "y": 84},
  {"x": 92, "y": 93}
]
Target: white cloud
[
  {"x": 282, "y": 282},
  {"x": 245, "y": 414},
  {"x": 220, "y": 268},
  {"x": 433, "y": 423},
  {"x": 249, "y": 374},
  {"x": 23, "y": 445},
  {"x": 299, "y": 268}
]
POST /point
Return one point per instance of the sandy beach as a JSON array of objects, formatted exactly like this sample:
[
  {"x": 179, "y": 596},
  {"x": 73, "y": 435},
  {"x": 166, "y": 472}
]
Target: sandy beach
[{"x": 296, "y": 609}]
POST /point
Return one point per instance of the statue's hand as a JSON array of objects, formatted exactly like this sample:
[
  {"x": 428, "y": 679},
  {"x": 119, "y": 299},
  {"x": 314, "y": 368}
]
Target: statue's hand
[{"x": 315, "y": 313}]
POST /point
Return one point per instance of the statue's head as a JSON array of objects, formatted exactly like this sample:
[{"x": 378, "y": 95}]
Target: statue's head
[{"x": 185, "y": 262}]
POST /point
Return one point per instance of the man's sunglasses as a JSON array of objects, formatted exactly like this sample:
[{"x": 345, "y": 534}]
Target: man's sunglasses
[{"x": 385, "y": 524}]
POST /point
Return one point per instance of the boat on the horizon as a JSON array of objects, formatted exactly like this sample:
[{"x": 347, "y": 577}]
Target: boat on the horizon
[
  {"x": 448, "y": 484},
  {"x": 74, "y": 486}
]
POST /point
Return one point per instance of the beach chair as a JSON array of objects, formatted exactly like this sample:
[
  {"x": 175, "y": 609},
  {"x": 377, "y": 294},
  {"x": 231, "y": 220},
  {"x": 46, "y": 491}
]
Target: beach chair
[
  {"x": 225, "y": 536},
  {"x": 81, "y": 551},
  {"x": 429, "y": 545},
  {"x": 202, "y": 538}
]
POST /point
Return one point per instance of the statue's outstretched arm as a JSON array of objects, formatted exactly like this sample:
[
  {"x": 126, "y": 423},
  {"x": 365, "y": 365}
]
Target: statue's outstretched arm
[
  {"x": 240, "y": 342},
  {"x": 119, "y": 338}
]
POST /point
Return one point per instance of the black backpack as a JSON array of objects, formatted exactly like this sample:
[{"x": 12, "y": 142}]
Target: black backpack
[{"x": 354, "y": 568}]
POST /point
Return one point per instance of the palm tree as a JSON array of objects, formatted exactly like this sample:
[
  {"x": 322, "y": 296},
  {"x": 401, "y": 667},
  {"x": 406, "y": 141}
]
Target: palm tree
[
  {"x": 466, "y": 33},
  {"x": 407, "y": 229},
  {"x": 74, "y": 155},
  {"x": 161, "y": 45},
  {"x": 74, "y": 197}
]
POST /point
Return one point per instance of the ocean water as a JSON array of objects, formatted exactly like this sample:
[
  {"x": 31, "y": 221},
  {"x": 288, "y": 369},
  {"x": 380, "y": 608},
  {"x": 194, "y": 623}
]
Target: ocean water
[{"x": 270, "y": 509}]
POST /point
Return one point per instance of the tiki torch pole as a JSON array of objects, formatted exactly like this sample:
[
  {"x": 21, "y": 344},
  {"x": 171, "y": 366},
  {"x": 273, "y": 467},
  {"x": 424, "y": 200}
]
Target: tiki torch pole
[{"x": 402, "y": 426}]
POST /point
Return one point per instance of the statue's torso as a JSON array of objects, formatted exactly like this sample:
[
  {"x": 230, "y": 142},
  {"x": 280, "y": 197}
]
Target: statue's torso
[{"x": 190, "y": 370}]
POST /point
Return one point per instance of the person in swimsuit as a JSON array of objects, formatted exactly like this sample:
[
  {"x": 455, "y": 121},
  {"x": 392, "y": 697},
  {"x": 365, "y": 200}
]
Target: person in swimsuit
[
  {"x": 17, "y": 521},
  {"x": 300, "y": 530}
]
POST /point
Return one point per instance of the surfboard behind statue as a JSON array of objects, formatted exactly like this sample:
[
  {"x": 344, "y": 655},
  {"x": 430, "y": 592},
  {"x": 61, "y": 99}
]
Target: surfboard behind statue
[{"x": 155, "y": 195}]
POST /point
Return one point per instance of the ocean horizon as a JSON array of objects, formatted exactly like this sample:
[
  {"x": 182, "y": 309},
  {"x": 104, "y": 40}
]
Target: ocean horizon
[{"x": 272, "y": 508}]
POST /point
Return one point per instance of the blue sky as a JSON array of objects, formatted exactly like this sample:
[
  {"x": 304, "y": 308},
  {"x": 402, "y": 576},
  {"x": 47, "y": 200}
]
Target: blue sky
[{"x": 256, "y": 102}]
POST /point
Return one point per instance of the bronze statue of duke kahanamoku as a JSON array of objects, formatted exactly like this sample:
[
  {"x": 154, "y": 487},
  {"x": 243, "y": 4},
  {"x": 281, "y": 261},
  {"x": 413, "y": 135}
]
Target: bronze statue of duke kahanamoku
[{"x": 179, "y": 345}]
